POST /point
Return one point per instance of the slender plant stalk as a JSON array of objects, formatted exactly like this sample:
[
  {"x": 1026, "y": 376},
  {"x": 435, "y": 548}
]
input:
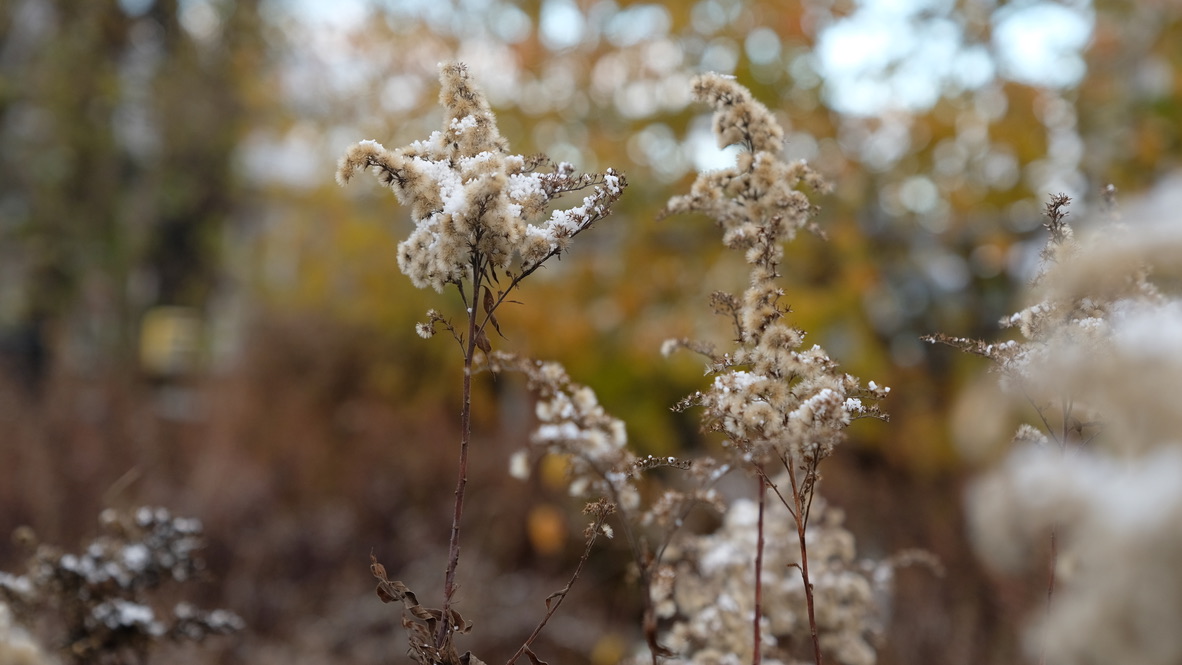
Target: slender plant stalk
[
  {"x": 808, "y": 593},
  {"x": 801, "y": 516},
  {"x": 453, "y": 548},
  {"x": 757, "y": 653},
  {"x": 1054, "y": 561},
  {"x": 559, "y": 596},
  {"x": 487, "y": 232}
]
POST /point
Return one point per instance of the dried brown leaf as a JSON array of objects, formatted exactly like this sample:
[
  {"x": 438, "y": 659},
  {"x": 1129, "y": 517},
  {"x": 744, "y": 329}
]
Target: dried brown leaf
[
  {"x": 457, "y": 621},
  {"x": 378, "y": 570},
  {"x": 482, "y": 341},
  {"x": 650, "y": 636},
  {"x": 490, "y": 304},
  {"x": 533, "y": 657},
  {"x": 551, "y": 597}
]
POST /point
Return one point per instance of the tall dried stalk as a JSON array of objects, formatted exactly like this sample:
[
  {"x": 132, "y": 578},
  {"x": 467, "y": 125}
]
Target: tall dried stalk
[
  {"x": 757, "y": 636},
  {"x": 774, "y": 400},
  {"x": 481, "y": 222}
]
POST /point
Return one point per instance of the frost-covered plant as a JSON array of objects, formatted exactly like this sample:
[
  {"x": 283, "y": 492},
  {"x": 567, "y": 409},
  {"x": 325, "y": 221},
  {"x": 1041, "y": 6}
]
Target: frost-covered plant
[
  {"x": 1119, "y": 597},
  {"x": 473, "y": 202},
  {"x": 574, "y": 428},
  {"x": 572, "y": 424},
  {"x": 1078, "y": 323},
  {"x": 96, "y": 602},
  {"x": 1057, "y": 320},
  {"x": 780, "y": 405},
  {"x": 481, "y": 225},
  {"x": 1101, "y": 334}
]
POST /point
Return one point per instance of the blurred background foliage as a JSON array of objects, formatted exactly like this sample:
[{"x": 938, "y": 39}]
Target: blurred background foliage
[{"x": 192, "y": 312}]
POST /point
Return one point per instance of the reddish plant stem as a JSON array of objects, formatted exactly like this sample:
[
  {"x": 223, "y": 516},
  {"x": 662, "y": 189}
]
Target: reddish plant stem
[
  {"x": 801, "y": 517},
  {"x": 808, "y": 592},
  {"x": 757, "y": 653},
  {"x": 453, "y": 548},
  {"x": 560, "y": 596},
  {"x": 1053, "y": 561},
  {"x": 1042, "y": 657}
]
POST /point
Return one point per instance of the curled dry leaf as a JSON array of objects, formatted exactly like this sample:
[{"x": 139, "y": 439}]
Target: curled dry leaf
[
  {"x": 482, "y": 341},
  {"x": 556, "y": 595},
  {"x": 423, "y": 623},
  {"x": 490, "y": 305},
  {"x": 533, "y": 657}
]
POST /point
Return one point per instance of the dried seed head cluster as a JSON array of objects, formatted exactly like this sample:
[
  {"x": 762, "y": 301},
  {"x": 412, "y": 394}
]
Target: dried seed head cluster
[
  {"x": 757, "y": 202},
  {"x": 480, "y": 214},
  {"x": 707, "y": 595},
  {"x": 1118, "y": 595},
  {"x": 99, "y": 595},
  {"x": 469, "y": 196},
  {"x": 771, "y": 396},
  {"x": 1105, "y": 337},
  {"x": 780, "y": 405},
  {"x": 1067, "y": 326},
  {"x": 573, "y": 425}
]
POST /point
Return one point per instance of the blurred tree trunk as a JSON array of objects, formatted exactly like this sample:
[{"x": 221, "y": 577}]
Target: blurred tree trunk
[
  {"x": 117, "y": 141},
  {"x": 202, "y": 115}
]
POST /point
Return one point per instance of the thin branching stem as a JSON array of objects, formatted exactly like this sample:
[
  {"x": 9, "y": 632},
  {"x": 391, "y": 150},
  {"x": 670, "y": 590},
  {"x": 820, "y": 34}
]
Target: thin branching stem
[
  {"x": 757, "y": 638},
  {"x": 1066, "y": 406},
  {"x": 1041, "y": 414},
  {"x": 644, "y": 563},
  {"x": 453, "y": 548},
  {"x": 668, "y": 539},
  {"x": 626, "y": 520},
  {"x": 517, "y": 279},
  {"x": 560, "y": 595},
  {"x": 775, "y": 488},
  {"x": 800, "y": 502},
  {"x": 811, "y": 477},
  {"x": 1054, "y": 562}
]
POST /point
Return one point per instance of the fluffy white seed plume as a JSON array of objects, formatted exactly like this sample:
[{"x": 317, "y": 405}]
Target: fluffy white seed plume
[
  {"x": 771, "y": 396},
  {"x": 781, "y": 406},
  {"x": 1102, "y": 335},
  {"x": 469, "y": 197}
]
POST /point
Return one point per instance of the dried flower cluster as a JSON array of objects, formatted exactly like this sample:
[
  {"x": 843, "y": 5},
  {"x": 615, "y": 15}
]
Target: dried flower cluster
[
  {"x": 781, "y": 407},
  {"x": 98, "y": 597},
  {"x": 573, "y": 425},
  {"x": 473, "y": 201},
  {"x": 1102, "y": 342},
  {"x": 757, "y": 202},
  {"x": 771, "y": 397},
  {"x": 474, "y": 206},
  {"x": 1076, "y": 320},
  {"x": 1119, "y": 595},
  {"x": 708, "y": 596}
]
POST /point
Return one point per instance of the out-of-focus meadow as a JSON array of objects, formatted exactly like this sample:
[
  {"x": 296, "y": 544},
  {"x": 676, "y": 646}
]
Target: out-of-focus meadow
[{"x": 194, "y": 315}]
